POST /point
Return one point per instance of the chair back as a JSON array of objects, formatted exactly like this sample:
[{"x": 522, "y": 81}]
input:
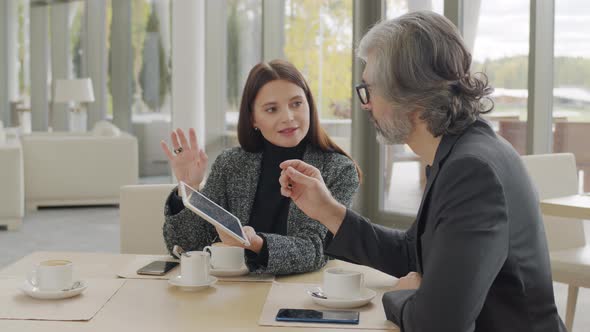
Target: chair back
[
  {"x": 573, "y": 137},
  {"x": 556, "y": 175},
  {"x": 142, "y": 218}
]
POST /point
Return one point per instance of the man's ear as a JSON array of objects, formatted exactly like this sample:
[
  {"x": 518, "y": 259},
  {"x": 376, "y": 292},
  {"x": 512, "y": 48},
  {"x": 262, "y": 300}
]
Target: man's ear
[{"x": 415, "y": 116}]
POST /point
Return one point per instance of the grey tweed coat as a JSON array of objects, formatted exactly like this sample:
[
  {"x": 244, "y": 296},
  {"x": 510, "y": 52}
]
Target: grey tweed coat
[{"x": 232, "y": 184}]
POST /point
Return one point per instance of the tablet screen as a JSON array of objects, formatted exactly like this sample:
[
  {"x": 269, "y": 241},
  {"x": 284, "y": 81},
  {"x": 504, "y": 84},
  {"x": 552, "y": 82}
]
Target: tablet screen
[{"x": 208, "y": 209}]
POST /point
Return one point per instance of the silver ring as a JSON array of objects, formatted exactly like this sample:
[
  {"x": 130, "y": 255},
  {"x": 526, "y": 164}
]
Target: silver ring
[{"x": 178, "y": 151}]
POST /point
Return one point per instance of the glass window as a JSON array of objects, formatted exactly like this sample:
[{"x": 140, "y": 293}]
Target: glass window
[
  {"x": 318, "y": 41},
  {"x": 24, "y": 76},
  {"x": 109, "y": 20},
  {"x": 403, "y": 173},
  {"x": 151, "y": 96},
  {"x": 504, "y": 59},
  {"x": 395, "y": 8},
  {"x": 150, "y": 34},
  {"x": 76, "y": 12},
  {"x": 244, "y": 50},
  {"x": 571, "y": 93}
]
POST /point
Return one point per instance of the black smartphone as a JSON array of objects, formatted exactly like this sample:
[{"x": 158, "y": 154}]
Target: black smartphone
[
  {"x": 157, "y": 268},
  {"x": 318, "y": 316}
]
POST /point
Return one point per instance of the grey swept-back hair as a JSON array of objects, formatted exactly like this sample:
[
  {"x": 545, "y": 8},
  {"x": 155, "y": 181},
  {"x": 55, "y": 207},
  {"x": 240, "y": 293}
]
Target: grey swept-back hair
[{"x": 420, "y": 62}]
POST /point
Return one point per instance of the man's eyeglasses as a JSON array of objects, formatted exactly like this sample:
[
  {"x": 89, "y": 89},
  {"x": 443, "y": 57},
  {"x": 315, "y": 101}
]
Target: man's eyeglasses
[{"x": 363, "y": 92}]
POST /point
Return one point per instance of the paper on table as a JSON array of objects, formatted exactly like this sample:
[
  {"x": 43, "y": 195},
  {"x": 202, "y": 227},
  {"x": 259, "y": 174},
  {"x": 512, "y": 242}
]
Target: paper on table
[
  {"x": 14, "y": 304},
  {"x": 130, "y": 271},
  {"x": 294, "y": 296}
]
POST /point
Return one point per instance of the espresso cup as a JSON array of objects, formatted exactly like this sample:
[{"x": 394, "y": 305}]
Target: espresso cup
[
  {"x": 225, "y": 257},
  {"x": 194, "y": 268},
  {"x": 52, "y": 275},
  {"x": 342, "y": 284}
]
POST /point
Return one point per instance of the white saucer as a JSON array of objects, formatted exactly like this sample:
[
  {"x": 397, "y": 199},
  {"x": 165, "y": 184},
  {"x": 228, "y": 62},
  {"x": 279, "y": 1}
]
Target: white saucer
[
  {"x": 230, "y": 272},
  {"x": 37, "y": 293},
  {"x": 177, "y": 281},
  {"x": 367, "y": 295}
]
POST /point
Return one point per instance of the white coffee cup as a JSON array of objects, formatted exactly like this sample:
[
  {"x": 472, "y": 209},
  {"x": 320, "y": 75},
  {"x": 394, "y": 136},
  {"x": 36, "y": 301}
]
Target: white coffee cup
[
  {"x": 226, "y": 258},
  {"x": 52, "y": 275},
  {"x": 194, "y": 268},
  {"x": 342, "y": 284}
]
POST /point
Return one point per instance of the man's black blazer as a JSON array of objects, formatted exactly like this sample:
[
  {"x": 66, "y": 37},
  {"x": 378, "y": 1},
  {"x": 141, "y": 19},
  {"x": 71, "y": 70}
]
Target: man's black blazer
[{"x": 478, "y": 241}]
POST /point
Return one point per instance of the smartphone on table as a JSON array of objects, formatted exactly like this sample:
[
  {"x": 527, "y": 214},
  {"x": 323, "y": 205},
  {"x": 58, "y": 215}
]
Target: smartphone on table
[
  {"x": 318, "y": 316},
  {"x": 157, "y": 268}
]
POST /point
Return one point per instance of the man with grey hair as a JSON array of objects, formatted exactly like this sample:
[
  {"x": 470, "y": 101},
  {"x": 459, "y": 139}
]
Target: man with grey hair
[{"x": 476, "y": 258}]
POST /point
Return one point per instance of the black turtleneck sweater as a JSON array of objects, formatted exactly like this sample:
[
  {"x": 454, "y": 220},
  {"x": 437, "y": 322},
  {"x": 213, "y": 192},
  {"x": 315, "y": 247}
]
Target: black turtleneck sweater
[{"x": 271, "y": 209}]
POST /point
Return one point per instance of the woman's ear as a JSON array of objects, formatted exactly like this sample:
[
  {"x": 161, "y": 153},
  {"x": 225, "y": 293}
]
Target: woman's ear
[{"x": 253, "y": 122}]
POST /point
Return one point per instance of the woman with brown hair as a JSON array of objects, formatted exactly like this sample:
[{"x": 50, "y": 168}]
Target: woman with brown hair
[{"x": 278, "y": 121}]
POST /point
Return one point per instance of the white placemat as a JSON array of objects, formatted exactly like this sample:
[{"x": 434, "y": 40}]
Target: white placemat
[
  {"x": 15, "y": 304},
  {"x": 294, "y": 296}
]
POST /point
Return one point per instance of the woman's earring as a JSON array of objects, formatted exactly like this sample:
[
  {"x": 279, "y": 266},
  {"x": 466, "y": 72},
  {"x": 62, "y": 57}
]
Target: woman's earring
[{"x": 256, "y": 128}]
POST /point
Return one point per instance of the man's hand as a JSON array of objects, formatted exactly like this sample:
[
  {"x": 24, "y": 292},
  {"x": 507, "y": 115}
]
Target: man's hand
[
  {"x": 304, "y": 184},
  {"x": 411, "y": 281}
]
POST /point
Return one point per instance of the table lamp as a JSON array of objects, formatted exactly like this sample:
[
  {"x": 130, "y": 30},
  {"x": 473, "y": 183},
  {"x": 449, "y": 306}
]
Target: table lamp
[{"x": 78, "y": 92}]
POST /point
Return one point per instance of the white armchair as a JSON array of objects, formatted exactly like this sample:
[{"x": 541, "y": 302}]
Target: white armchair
[
  {"x": 11, "y": 184},
  {"x": 556, "y": 175},
  {"x": 77, "y": 168},
  {"x": 142, "y": 218}
]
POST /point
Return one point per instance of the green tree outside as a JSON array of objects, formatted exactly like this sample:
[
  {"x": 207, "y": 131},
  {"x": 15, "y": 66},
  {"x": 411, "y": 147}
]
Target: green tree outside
[{"x": 313, "y": 40}]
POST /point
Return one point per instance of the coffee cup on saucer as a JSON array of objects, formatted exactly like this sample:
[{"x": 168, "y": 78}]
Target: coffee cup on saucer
[
  {"x": 194, "y": 271},
  {"x": 226, "y": 257},
  {"x": 194, "y": 268},
  {"x": 342, "y": 284},
  {"x": 52, "y": 275}
]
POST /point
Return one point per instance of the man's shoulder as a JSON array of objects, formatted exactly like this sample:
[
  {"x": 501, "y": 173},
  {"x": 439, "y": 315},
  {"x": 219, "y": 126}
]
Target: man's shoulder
[
  {"x": 480, "y": 148},
  {"x": 481, "y": 142}
]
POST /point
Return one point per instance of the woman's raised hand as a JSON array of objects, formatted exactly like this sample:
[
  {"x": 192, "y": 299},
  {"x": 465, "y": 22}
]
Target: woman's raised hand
[{"x": 188, "y": 162}]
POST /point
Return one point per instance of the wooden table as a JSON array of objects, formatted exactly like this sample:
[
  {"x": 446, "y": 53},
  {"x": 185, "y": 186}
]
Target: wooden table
[
  {"x": 154, "y": 305},
  {"x": 575, "y": 206}
]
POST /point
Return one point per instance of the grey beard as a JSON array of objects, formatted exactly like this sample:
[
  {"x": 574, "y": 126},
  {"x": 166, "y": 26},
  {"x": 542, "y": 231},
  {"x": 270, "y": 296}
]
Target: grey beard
[{"x": 392, "y": 130}]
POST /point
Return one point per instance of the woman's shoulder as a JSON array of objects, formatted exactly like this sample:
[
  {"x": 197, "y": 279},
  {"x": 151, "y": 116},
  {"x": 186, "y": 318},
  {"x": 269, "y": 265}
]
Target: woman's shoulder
[
  {"x": 330, "y": 161},
  {"x": 231, "y": 155},
  {"x": 331, "y": 157},
  {"x": 337, "y": 169},
  {"x": 340, "y": 159}
]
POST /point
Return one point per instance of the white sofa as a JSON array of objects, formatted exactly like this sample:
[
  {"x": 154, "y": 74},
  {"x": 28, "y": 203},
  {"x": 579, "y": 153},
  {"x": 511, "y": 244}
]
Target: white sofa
[
  {"x": 63, "y": 169},
  {"x": 142, "y": 217},
  {"x": 11, "y": 184}
]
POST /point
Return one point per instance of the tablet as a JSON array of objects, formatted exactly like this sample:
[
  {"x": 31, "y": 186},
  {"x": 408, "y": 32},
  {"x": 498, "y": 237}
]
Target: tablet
[{"x": 213, "y": 213}]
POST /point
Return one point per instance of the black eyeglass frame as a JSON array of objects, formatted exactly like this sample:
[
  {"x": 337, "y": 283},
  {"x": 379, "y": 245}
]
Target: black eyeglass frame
[{"x": 365, "y": 87}]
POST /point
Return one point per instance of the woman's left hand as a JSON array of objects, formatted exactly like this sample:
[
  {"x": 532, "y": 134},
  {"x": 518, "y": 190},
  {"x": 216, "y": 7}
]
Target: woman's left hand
[{"x": 255, "y": 240}]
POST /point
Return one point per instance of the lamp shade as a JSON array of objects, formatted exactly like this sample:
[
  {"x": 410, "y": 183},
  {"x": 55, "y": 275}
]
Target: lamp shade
[{"x": 78, "y": 90}]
